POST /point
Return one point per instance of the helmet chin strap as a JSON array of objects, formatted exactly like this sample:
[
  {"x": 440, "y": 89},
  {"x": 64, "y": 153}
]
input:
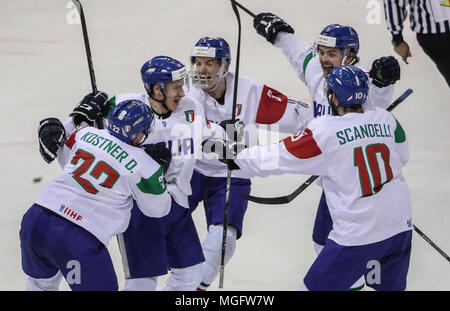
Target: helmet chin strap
[
  {"x": 346, "y": 54},
  {"x": 334, "y": 108}
]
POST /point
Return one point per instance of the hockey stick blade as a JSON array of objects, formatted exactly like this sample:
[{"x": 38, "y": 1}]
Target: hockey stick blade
[
  {"x": 281, "y": 200},
  {"x": 288, "y": 198}
]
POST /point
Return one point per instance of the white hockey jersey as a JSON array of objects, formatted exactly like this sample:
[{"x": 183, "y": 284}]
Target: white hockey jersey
[
  {"x": 307, "y": 67},
  {"x": 99, "y": 181},
  {"x": 359, "y": 158},
  {"x": 183, "y": 132},
  {"x": 256, "y": 104}
]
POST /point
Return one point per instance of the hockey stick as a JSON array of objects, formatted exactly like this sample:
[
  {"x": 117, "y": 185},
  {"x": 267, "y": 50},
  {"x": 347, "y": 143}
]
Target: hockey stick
[
  {"x": 440, "y": 251},
  {"x": 245, "y": 9},
  {"x": 77, "y": 3},
  {"x": 233, "y": 117},
  {"x": 288, "y": 198}
]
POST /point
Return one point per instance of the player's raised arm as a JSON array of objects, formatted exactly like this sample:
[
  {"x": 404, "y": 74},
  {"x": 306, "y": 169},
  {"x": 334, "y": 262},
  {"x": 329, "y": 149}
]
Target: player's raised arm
[{"x": 281, "y": 35}]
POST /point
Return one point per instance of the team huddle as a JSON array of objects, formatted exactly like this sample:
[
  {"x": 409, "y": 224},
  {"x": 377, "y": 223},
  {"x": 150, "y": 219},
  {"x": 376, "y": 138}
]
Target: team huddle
[{"x": 140, "y": 173}]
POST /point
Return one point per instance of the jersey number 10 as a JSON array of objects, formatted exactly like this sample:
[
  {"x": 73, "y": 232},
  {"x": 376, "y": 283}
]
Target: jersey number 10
[
  {"x": 373, "y": 168},
  {"x": 99, "y": 168}
]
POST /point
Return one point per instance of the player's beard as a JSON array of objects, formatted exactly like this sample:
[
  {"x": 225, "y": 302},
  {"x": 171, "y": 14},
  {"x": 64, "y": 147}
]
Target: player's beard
[{"x": 326, "y": 68}]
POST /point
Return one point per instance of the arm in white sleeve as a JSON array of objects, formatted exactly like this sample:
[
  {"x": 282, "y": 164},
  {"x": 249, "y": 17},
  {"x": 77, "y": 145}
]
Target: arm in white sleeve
[
  {"x": 297, "y": 51},
  {"x": 401, "y": 143},
  {"x": 151, "y": 193},
  {"x": 380, "y": 97},
  {"x": 296, "y": 154}
]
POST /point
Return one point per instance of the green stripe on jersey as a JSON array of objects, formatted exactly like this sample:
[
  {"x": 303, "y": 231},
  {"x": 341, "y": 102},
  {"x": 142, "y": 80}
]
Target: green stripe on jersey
[
  {"x": 399, "y": 133},
  {"x": 111, "y": 103},
  {"x": 307, "y": 60},
  {"x": 156, "y": 184}
]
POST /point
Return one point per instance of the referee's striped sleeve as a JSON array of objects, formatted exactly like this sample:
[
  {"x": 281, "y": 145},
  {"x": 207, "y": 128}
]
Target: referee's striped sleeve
[
  {"x": 395, "y": 13},
  {"x": 421, "y": 17}
]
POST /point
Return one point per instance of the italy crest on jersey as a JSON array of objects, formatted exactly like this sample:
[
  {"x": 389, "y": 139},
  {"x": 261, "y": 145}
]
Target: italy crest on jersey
[
  {"x": 238, "y": 109},
  {"x": 189, "y": 115}
]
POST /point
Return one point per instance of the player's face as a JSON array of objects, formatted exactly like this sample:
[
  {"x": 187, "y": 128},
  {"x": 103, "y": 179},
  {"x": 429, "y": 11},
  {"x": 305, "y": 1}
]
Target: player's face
[
  {"x": 139, "y": 138},
  {"x": 329, "y": 58},
  {"x": 174, "y": 93},
  {"x": 207, "y": 67}
]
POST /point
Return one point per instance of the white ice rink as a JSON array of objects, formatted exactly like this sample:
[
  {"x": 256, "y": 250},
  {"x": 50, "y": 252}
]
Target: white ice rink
[{"x": 43, "y": 72}]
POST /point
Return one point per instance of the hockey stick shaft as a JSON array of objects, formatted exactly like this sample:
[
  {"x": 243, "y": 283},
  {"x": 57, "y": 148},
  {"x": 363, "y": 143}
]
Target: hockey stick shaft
[
  {"x": 233, "y": 117},
  {"x": 245, "y": 9},
  {"x": 440, "y": 251},
  {"x": 288, "y": 198},
  {"x": 77, "y": 3}
]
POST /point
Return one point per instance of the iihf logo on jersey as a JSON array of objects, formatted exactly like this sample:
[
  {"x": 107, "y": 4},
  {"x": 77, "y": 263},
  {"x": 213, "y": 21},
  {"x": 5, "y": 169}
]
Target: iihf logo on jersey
[{"x": 190, "y": 116}]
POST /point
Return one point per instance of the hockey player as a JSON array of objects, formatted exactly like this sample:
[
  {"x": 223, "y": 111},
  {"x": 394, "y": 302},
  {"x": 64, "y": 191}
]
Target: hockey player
[
  {"x": 359, "y": 155},
  {"x": 212, "y": 84},
  {"x": 336, "y": 45},
  {"x": 67, "y": 230}
]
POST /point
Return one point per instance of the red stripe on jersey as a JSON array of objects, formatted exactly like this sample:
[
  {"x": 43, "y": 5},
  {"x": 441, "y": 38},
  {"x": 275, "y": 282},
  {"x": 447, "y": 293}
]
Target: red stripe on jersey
[
  {"x": 271, "y": 106},
  {"x": 302, "y": 145},
  {"x": 208, "y": 125},
  {"x": 71, "y": 141}
]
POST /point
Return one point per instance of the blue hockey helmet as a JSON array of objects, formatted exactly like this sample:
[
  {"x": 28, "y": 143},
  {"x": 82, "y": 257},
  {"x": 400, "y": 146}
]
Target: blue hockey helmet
[
  {"x": 211, "y": 47},
  {"x": 161, "y": 70},
  {"x": 349, "y": 83},
  {"x": 340, "y": 37},
  {"x": 128, "y": 119}
]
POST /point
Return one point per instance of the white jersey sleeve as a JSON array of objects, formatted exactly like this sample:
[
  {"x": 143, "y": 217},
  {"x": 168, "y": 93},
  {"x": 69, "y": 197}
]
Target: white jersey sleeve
[
  {"x": 297, "y": 51},
  {"x": 63, "y": 153}
]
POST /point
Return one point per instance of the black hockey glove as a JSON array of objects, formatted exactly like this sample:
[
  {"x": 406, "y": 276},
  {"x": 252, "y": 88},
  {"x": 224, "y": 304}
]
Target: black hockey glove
[
  {"x": 385, "y": 71},
  {"x": 225, "y": 149},
  {"x": 160, "y": 154},
  {"x": 269, "y": 25},
  {"x": 51, "y": 136},
  {"x": 91, "y": 107},
  {"x": 232, "y": 128}
]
